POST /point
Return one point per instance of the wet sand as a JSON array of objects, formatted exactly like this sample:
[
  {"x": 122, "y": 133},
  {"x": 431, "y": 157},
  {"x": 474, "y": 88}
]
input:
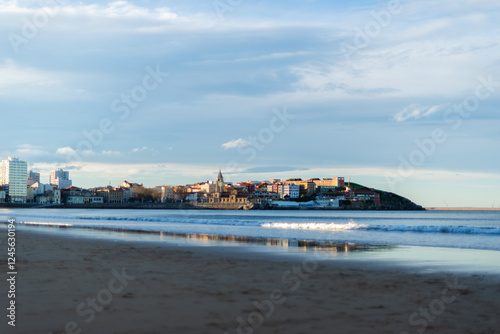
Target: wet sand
[{"x": 71, "y": 285}]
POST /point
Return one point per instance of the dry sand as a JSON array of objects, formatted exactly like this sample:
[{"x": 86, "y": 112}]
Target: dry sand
[{"x": 216, "y": 290}]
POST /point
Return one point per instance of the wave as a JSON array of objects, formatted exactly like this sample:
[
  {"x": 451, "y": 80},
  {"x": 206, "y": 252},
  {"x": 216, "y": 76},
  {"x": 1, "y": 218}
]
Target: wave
[
  {"x": 435, "y": 229},
  {"x": 316, "y": 226},
  {"x": 385, "y": 228},
  {"x": 82, "y": 220},
  {"x": 46, "y": 224},
  {"x": 161, "y": 223}
]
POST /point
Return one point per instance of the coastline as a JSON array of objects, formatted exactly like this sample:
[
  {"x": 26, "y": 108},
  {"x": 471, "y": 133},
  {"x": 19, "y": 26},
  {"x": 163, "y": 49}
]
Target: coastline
[
  {"x": 186, "y": 289},
  {"x": 186, "y": 206},
  {"x": 462, "y": 209}
]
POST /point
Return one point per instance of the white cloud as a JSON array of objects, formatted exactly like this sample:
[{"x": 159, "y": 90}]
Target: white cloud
[
  {"x": 13, "y": 75},
  {"x": 435, "y": 55},
  {"x": 235, "y": 144},
  {"x": 142, "y": 149},
  {"x": 28, "y": 150},
  {"x": 65, "y": 151},
  {"x": 114, "y": 17},
  {"x": 71, "y": 152},
  {"x": 116, "y": 9},
  {"x": 417, "y": 111}
]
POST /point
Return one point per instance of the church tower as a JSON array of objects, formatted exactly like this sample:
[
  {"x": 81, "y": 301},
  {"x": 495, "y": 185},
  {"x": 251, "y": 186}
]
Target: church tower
[{"x": 219, "y": 187}]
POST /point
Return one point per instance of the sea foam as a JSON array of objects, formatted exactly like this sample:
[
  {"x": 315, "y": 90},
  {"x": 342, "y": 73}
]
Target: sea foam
[
  {"x": 386, "y": 228},
  {"x": 316, "y": 226}
]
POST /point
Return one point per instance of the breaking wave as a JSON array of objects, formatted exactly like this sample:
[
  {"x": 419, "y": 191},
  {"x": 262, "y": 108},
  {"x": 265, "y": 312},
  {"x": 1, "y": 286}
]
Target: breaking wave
[
  {"x": 385, "y": 228},
  {"x": 164, "y": 223},
  {"x": 435, "y": 229},
  {"x": 316, "y": 226}
]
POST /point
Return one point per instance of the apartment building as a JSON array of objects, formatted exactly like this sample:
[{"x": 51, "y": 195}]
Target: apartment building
[
  {"x": 14, "y": 179},
  {"x": 60, "y": 179}
]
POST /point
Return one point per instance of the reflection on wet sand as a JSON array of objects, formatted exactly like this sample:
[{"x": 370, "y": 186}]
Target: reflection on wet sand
[{"x": 316, "y": 245}]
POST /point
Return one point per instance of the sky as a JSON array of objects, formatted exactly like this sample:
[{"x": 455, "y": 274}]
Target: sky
[{"x": 401, "y": 95}]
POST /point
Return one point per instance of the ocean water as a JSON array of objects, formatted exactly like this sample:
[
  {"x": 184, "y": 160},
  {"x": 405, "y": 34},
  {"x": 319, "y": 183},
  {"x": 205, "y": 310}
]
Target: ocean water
[
  {"x": 423, "y": 242},
  {"x": 474, "y": 230}
]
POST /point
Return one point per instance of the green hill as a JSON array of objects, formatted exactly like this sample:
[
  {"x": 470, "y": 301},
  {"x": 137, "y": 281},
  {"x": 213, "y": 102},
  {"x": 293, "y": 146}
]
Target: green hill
[{"x": 388, "y": 200}]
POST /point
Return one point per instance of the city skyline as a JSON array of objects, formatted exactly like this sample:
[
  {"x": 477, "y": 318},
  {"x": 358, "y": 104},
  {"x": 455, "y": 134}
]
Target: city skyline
[
  {"x": 390, "y": 93},
  {"x": 18, "y": 185},
  {"x": 59, "y": 176}
]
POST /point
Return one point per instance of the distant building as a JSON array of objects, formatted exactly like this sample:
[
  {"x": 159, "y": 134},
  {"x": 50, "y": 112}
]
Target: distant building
[
  {"x": 167, "y": 194},
  {"x": 84, "y": 200},
  {"x": 133, "y": 189},
  {"x": 33, "y": 178},
  {"x": 306, "y": 188},
  {"x": 50, "y": 197},
  {"x": 219, "y": 185},
  {"x": 56, "y": 196},
  {"x": 41, "y": 189},
  {"x": 30, "y": 195},
  {"x": 365, "y": 195},
  {"x": 261, "y": 194},
  {"x": 14, "y": 179},
  {"x": 3, "y": 195},
  {"x": 336, "y": 182},
  {"x": 42, "y": 200},
  {"x": 276, "y": 188},
  {"x": 112, "y": 195},
  {"x": 226, "y": 195},
  {"x": 208, "y": 187},
  {"x": 291, "y": 190},
  {"x": 60, "y": 179},
  {"x": 74, "y": 195}
]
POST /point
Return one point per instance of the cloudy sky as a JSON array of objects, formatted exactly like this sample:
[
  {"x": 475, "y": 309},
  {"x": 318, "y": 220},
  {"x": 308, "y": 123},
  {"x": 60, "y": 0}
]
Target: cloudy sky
[{"x": 398, "y": 95}]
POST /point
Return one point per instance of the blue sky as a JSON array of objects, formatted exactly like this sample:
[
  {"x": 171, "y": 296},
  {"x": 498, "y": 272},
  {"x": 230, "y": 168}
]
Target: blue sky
[{"x": 398, "y": 95}]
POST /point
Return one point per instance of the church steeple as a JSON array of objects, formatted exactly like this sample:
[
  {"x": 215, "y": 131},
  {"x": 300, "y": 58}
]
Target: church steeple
[{"x": 220, "y": 183}]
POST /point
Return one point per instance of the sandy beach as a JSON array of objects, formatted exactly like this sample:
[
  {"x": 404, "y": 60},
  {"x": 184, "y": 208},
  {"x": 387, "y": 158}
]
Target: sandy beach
[{"x": 70, "y": 285}]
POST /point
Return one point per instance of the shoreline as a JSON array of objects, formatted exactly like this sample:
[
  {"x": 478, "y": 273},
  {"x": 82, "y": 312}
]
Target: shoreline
[
  {"x": 462, "y": 209},
  {"x": 419, "y": 258},
  {"x": 186, "y": 289},
  {"x": 185, "y": 206}
]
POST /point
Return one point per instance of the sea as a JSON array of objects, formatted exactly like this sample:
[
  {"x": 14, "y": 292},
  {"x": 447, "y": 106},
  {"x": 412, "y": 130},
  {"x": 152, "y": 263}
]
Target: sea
[{"x": 429, "y": 240}]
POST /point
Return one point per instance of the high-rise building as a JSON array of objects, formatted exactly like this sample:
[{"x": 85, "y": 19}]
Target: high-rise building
[
  {"x": 14, "y": 179},
  {"x": 33, "y": 178},
  {"x": 60, "y": 179}
]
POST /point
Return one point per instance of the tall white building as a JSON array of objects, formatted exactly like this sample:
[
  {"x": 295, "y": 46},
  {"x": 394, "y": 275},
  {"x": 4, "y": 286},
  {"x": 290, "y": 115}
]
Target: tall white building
[
  {"x": 60, "y": 179},
  {"x": 14, "y": 178}
]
